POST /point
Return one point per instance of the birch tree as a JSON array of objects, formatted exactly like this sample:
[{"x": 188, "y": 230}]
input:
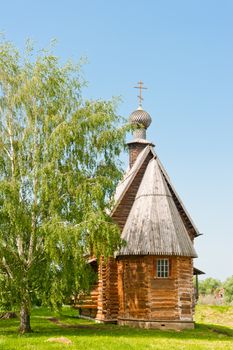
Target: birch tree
[{"x": 58, "y": 171}]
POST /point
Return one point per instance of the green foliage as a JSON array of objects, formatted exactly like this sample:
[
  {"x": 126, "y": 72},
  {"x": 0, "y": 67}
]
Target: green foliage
[
  {"x": 58, "y": 171},
  {"x": 228, "y": 290},
  {"x": 209, "y": 286}
]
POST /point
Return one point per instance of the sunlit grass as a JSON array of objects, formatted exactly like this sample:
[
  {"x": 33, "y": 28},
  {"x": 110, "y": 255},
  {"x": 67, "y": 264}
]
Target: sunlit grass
[
  {"x": 87, "y": 335},
  {"x": 221, "y": 315}
]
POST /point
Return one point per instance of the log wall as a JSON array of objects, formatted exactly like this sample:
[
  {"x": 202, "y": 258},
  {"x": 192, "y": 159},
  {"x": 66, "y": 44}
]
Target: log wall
[
  {"x": 133, "y": 286},
  {"x": 107, "y": 306},
  {"x": 145, "y": 298},
  {"x": 185, "y": 288},
  {"x": 87, "y": 303}
]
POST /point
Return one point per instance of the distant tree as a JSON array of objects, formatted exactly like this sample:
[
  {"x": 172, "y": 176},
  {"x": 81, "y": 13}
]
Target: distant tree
[
  {"x": 228, "y": 290},
  {"x": 58, "y": 171},
  {"x": 209, "y": 286}
]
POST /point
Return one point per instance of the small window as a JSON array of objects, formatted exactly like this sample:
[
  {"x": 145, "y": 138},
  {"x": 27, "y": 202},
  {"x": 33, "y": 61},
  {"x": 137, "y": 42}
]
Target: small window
[{"x": 163, "y": 268}]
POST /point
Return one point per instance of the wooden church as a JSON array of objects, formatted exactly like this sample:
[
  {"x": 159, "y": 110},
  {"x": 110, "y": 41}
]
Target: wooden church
[{"x": 149, "y": 282}]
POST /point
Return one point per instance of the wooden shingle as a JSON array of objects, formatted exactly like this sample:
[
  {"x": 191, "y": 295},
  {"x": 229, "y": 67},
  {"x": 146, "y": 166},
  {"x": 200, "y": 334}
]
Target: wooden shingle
[{"x": 154, "y": 225}]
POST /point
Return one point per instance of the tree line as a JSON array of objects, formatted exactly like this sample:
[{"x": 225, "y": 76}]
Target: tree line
[{"x": 212, "y": 286}]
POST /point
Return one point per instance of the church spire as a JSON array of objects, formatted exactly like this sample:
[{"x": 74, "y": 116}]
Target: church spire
[
  {"x": 140, "y": 87},
  {"x": 141, "y": 120}
]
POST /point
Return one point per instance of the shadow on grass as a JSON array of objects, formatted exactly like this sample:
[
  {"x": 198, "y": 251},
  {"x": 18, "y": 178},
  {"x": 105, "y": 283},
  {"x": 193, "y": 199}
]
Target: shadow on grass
[{"x": 44, "y": 328}]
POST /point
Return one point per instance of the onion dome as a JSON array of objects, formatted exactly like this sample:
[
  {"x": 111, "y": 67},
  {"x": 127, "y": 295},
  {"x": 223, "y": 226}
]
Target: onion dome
[
  {"x": 143, "y": 120},
  {"x": 140, "y": 117}
]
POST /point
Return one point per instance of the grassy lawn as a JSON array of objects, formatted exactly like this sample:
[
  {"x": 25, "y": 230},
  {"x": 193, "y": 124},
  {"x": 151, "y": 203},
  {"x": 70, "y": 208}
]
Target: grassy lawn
[{"x": 86, "y": 335}]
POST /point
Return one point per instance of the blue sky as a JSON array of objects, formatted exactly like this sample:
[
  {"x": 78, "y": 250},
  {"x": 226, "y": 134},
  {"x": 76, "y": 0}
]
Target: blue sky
[{"x": 183, "y": 51}]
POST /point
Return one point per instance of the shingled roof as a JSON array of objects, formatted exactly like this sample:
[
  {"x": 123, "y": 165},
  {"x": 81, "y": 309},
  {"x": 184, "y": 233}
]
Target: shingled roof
[
  {"x": 154, "y": 225},
  {"x": 158, "y": 221},
  {"x": 130, "y": 175}
]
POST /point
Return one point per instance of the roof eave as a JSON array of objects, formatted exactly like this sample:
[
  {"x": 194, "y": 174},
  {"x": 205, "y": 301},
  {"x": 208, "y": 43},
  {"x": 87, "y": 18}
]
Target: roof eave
[{"x": 142, "y": 253}]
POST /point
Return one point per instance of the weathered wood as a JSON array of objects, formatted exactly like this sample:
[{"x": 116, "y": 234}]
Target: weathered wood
[
  {"x": 167, "y": 299},
  {"x": 121, "y": 211},
  {"x": 108, "y": 291},
  {"x": 155, "y": 225},
  {"x": 87, "y": 304}
]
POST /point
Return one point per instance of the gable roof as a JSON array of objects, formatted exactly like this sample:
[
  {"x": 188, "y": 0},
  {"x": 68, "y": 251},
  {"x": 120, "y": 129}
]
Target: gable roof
[
  {"x": 154, "y": 225},
  {"x": 130, "y": 175}
]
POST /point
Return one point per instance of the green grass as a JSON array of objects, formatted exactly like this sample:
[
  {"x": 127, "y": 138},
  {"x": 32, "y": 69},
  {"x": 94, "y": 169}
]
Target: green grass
[
  {"x": 87, "y": 335},
  {"x": 222, "y": 315}
]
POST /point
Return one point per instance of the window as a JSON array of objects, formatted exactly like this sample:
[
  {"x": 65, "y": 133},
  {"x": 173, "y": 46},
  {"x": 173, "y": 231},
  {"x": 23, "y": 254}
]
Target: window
[{"x": 162, "y": 268}]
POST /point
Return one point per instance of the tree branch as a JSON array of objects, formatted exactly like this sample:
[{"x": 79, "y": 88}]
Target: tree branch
[{"x": 7, "y": 268}]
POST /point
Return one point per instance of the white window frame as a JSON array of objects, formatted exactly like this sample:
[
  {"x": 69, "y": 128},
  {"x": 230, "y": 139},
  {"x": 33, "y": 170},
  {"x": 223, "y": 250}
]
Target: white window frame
[{"x": 162, "y": 268}]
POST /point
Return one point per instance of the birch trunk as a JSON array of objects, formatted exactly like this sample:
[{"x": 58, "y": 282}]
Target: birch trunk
[{"x": 25, "y": 326}]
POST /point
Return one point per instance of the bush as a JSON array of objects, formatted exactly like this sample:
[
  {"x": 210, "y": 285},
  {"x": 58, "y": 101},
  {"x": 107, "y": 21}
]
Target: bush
[
  {"x": 209, "y": 286},
  {"x": 228, "y": 290}
]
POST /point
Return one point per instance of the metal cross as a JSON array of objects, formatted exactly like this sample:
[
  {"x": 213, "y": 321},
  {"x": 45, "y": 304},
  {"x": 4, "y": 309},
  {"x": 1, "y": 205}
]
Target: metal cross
[{"x": 140, "y": 87}]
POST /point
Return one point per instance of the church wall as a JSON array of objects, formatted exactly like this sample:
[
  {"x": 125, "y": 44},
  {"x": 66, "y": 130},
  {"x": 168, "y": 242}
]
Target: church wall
[
  {"x": 164, "y": 293},
  {"x": 151, "y": 302},
  {"x": 107, "y": 304},
  {"x": 185, "y": 288},
  {"x": 129, "y": 291},
  {"x": 87, "y": 303},
  {"x": 133, "y": 285}
]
